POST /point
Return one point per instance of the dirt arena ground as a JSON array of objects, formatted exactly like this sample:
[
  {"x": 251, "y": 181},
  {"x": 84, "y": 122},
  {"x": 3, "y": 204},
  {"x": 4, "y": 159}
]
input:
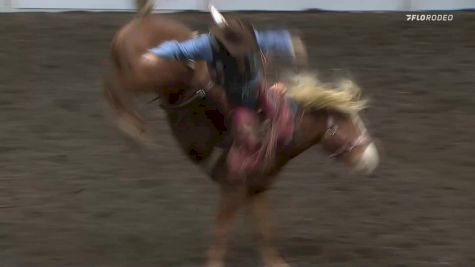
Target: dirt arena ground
[{"x": 75, "y": 192}]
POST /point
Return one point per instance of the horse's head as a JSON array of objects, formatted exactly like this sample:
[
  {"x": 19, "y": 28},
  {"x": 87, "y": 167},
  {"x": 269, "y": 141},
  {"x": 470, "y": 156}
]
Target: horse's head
[
  {"x": 341, "y": 132},
  {"x": 345, "y": 138}
]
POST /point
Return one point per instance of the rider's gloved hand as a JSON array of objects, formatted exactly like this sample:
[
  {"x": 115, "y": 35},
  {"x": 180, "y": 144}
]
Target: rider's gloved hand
[
  {"x": 279, "y": 88},
  {"x": 149, "y": 60}
]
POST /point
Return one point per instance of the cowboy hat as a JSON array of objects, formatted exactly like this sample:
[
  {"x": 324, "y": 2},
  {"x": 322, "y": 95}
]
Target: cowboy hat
[{"x": 236, "y": 35}]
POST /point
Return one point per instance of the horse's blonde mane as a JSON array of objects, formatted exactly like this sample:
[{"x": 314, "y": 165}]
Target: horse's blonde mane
[{"x": 343, "y": 96}]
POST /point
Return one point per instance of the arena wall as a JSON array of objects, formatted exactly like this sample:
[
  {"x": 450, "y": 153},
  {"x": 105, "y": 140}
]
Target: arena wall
[{"x": 270, "y": 5}]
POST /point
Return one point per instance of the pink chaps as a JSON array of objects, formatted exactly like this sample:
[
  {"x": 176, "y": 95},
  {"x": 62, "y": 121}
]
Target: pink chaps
[{"x": 250, "y": 152}]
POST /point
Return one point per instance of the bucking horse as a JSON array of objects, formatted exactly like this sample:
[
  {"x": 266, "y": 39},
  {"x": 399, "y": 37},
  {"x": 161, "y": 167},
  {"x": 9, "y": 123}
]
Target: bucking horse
[{"x": 327, "y": 114}]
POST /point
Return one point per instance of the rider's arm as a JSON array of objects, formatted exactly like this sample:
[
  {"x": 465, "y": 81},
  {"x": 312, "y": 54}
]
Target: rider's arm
[
  {"x": 282, "y": 43},
  {"x": 198, "y": 48},
  {"x": 275, "y": 43}
]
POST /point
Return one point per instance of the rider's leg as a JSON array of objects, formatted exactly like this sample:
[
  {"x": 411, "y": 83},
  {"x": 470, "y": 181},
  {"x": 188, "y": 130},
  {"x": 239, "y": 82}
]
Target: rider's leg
[
  {"x": 246, "y": 140},
  {"x": 245, "y": 127}
]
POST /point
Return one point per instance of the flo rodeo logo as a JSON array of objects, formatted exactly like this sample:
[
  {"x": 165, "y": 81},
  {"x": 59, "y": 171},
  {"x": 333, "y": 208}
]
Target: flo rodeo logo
[{"x": 429, "y": 17}]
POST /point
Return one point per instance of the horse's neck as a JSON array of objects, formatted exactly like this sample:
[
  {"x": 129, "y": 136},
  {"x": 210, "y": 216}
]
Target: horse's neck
[{"x": 310, "y": 129}]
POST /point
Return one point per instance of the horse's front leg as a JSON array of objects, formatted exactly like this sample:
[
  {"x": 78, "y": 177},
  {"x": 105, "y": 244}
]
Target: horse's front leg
[
  {"x": 230, "y": 202},
  {"x": 260, "y": 211}
]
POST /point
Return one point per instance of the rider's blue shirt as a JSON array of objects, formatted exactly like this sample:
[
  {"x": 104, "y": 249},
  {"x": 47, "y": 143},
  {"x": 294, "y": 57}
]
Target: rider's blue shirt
[
  {"x": 271, "y": 43},
  {"x": 199, "y": 48}
]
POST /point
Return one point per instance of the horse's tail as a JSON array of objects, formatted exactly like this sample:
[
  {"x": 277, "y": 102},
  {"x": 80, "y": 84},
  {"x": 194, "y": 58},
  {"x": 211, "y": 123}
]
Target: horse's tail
[{"x": 144, "y": 7}]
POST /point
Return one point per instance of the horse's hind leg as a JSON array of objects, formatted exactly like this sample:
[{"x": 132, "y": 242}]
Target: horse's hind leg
[
  {"x": 260, "y": 211},
  {"x": 127, "y": 119},
  {"x": 230, "y": 202}
]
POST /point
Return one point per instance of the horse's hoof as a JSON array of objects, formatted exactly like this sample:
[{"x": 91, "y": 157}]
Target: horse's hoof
[
  {"x": 280, "y": 264},
  {"x": 214, "y": 264},
  {"x": 134, "y": 132},
  {"x": 276, "y": 262}
]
